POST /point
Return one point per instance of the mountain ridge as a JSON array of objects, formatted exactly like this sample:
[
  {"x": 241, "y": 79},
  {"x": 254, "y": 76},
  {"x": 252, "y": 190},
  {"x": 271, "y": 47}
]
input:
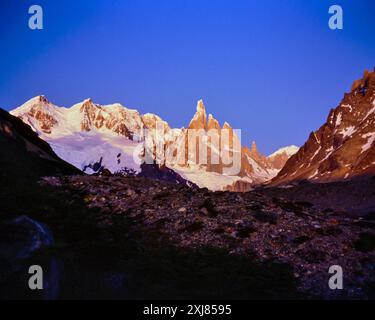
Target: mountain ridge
[
  {"x": 343, "y": 147},
  {"x": 88, "y": 132}
]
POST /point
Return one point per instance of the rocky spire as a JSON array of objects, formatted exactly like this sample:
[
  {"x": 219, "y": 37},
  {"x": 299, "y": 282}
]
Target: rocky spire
[
  {"x": 41, "y": 99},
  {"x": 212, "y": 123},
  {"x": 254, "y": 148},
  {"x": 256, "y": 155},
  {"x": 88, "y": 110},
  {"x": 199, "y": 120},
  {"x": 226, "y": 125}
]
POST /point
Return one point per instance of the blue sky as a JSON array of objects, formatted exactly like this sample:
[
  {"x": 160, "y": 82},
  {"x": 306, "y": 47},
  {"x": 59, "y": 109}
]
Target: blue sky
[{"x": 271, "y": 68}]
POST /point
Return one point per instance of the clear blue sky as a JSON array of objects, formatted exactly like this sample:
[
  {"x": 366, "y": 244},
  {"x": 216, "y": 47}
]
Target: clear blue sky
[{"x": 271, "y": 68}]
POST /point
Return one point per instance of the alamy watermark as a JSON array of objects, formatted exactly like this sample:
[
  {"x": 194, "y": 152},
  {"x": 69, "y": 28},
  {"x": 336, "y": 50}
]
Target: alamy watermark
[
  {"x": 336, "y": 282},
  {"x": 36, "y": 280},
  {"x": 36, "y": 18},
  {"x": 336, "y": 21},
  {"x": 194, "y": 147}
]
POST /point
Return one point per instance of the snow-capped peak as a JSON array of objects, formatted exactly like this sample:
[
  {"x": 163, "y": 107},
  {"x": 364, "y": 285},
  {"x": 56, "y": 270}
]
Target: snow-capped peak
[
  {"x": 199, "y": 120},
  {"x": 200, "y": 107},
  {"x": 82, "y": 104},
  {"x": 36, "y": 99},
  {"x": 151, "y": 116},
  {"x": 28, "y": 105},
  {"x": 289, "y": 151},
  {"x": 226, "y": 125},
  {"x": 39, "y": 113}
]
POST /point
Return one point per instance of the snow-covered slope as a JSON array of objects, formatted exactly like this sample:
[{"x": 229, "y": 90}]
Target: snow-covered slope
[
  {"x": 289, "y": 151},
  {"x": 278, "y": 159},
  {"x": 87, "y": 135},
  {"x": 90, "y": 150},
  {"x": 205, "y": 179}
]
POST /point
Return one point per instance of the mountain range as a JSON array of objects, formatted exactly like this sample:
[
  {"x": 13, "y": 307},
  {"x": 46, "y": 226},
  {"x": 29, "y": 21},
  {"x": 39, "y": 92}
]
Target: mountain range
[
  {"x": 95, "y": 137},
  {"x": 312, "y": 207}
]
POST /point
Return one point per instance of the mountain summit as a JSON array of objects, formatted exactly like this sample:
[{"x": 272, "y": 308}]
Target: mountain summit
[{"x": 199, "y": 120}]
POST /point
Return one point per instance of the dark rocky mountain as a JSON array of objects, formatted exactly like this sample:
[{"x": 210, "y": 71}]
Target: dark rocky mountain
[
  {"x": 342, "y": 148},
  {"x": 24, "y": 156}
]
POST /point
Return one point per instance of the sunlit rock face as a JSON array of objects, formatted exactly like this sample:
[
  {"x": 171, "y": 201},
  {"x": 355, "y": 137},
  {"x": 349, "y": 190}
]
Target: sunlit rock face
[{"x": 343, "y": 147}]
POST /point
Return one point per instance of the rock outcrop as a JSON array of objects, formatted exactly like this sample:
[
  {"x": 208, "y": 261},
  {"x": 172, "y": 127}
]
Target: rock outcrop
[
  {"x": 23, "y": 155},
  {"x": 343, "y": 147}
]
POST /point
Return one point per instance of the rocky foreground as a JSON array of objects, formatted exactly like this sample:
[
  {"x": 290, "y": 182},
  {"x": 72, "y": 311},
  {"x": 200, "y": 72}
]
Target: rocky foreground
[{"x": 309, "y": 240}]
